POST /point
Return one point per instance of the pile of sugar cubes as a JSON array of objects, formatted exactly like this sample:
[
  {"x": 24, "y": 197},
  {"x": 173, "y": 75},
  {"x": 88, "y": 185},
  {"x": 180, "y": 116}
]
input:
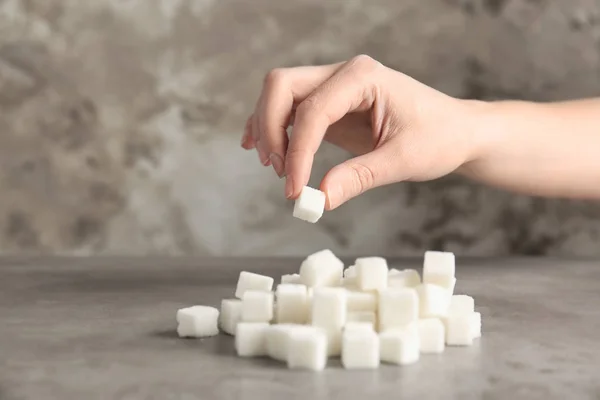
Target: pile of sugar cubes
[{"x": 366, "y": 314}]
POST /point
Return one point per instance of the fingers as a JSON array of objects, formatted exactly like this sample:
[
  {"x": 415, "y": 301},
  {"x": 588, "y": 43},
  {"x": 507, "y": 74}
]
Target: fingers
[
  {"x": 357, "y": 175},
  {"x": 351, "y": 88},
  {"x": 247, "y": 140},
  {"x": 268, "y": 126},
  {"x": 282, "y": 89}
]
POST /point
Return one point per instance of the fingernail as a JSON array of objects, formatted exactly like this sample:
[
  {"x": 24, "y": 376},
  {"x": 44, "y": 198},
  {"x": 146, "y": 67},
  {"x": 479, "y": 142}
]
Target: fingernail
[
  {"x": 277, "y": 162},
  {"x": 264, "y": 160},
  {"x": 289, "y": 187},
  {"x": 244, "y": 139},
  {"x": 333, "y": 196}
]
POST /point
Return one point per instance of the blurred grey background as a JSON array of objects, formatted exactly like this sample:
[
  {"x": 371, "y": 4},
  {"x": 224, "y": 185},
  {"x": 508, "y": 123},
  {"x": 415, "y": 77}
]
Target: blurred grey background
[{"x": 120, "y": 123}]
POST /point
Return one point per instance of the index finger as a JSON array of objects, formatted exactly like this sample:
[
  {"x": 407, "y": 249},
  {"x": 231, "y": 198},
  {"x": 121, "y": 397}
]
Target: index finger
[{"x": 349, "y": 89}]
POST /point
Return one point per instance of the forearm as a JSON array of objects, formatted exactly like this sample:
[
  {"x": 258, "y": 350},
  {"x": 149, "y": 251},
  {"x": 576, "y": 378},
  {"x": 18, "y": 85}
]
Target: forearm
[{"x": 550, "y": 149}]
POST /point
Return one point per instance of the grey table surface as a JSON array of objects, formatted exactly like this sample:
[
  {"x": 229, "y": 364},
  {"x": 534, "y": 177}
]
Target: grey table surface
[{"x": 104, "y": 328}]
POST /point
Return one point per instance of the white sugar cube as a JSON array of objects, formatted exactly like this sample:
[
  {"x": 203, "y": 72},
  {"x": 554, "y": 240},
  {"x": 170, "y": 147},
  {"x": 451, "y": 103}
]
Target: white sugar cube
[
  {"x": 362, "y": 316},
  {"x": 334, "y": 341},
  {"x": 459, "y": 329},
  {"x": 360, "y": 349},
  {"x": 433, "y": 300},
  {"x": 310, "y": 205},
  {"x": 445, "y": 281},
  {"x": 277, "y": 338},
  {"x": 307, "y": 349},
  {"x": 350, "y": 271},
  {"x": 322, "y": 268},
  {"x": 292, "y": 304},
  {"x": 197, "y": 321},
  {"x": 404, "y": 278},
  {"x": 358, "y": 325},
  {"x": 393, "y": 271},
  {"x": 250, "y": 339},
  {"x": 350, "y": 283},
  {"x": 431, "y": 335},
  {"x": 461, "y": 304},
  {"x": 257, "y": 306},
  {"x": 329, "y": 308},
  {"x": 231, "y": 314},
  {"x": 438, "y": 263},
  {"x": 291, "y": 278},
  {"x": 476, "y": 325},
  {"x": 398, "y": 307},
  {"x": 361, "y": 301},
  {"x": 400, "y": 346},
  {"x": 251, "y": 281},
  {"x": 372, "y": 273}
]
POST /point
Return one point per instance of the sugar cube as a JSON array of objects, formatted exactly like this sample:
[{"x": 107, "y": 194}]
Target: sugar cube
[
  {"x": 398, "y": 307},
  {"x": 350, "y": 283},
  {"x": 361, "y": 301},
  {"x": 362, "y": 316},
  {"x": 459, "y": 329},
  {"x": 438, "y": 263},
  {"x": 444, "y": 281},
  {"x": 292, "y": 304},
  {"x": 400, "y": 346},
  {"x": 329, "y": 308},
  {"x": 360, "y": 349},
  {"x": 250, "y": 339},
  {"x": 433, "y": 300},
  {"x": 358, "y": 325},
  {"x": 404, "y": 278},
  {"x": 322, "y": 268},
  {"x": 251, "y": 281},
  {"x": 461, "y": 304},
  {"x": 431, "y": 335},
  {"x": 197, "y": 321},
  {"x": 309, "y": 205},
  {"x": 307, "y": 349},
  {"x": 476, "y": 325},
  {"x": 291, "y": 278},
  {"x": 393, "y": 271},
  {"x": 334, "y": 341},
  {"x": 372, "y": 273},
  {"x": 350, "y": 271},
  {"x": 257, "y": 306},
  {"x": 231, "y": 314}
]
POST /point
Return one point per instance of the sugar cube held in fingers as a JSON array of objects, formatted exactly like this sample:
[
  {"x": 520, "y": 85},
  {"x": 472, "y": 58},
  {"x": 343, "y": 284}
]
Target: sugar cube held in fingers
[{"x": 309, "y": 205}]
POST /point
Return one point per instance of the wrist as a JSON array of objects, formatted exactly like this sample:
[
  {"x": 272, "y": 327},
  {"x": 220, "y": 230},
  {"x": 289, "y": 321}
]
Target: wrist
[{"x": 477, "y": 117}]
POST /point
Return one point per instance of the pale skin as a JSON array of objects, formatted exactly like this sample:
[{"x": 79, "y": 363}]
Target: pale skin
[{"x": 399, "y": 129}]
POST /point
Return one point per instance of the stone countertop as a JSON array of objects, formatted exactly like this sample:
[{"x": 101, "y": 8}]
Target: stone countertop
[{"x": 104, "y": 328}]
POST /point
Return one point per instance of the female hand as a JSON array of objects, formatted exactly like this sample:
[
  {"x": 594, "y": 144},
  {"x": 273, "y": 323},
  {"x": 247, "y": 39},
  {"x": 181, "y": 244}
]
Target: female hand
[{"x": 398, "y": 128}]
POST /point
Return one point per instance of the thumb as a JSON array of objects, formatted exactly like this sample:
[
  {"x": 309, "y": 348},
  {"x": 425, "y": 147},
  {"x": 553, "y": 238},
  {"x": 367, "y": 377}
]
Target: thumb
[{"x": 359, "y": 174}]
